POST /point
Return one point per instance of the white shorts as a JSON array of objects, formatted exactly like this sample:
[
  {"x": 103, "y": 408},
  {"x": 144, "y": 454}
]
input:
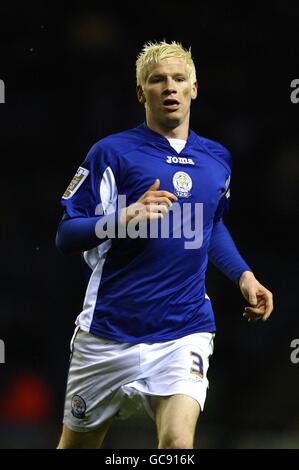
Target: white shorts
[{"x": 107, "y": 378}]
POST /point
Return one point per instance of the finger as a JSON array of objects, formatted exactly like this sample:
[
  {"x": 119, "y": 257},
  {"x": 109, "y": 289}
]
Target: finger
[
  {"x": 269, "y": 302},
  {"x": 267, "y": 315},
  {"x": 251, "y": 317},
  {"x": 136, "y": 209},
  {"x": 157, "y": 200},
  {"x": 163, "y": 193},
  {"x": 252, "y": 299},
  {"x": 155, "y": 186},
  {"x": 146, "y": 216},
  {"x": 157, "y": 208},
  {"x": 255, "y": 310},
  {"x": 250, "y": 313},
  {"x": 269, "y": 306},
  {"x": 155, "y": 215}
]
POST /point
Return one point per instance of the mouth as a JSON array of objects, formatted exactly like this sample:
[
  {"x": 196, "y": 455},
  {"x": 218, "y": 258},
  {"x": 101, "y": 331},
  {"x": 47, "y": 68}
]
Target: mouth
[{"x": 170, "y": 104}]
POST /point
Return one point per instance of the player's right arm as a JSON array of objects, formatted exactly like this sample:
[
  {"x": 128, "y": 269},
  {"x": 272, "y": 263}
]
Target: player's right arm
[
  {"x": 152, "y": 205},
  {"x": 94, "y": 186}
]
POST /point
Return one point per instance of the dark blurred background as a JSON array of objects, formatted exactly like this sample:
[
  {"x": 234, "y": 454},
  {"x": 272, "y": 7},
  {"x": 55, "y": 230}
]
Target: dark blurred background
[{"x": 69, "y": 76}]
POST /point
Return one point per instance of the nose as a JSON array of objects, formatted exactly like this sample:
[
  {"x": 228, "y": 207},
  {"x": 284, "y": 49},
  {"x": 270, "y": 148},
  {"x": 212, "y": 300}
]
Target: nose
[{"x": 170, "y": 86}]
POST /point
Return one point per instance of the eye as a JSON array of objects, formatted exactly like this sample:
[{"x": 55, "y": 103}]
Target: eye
[{"x": 156, "y": 79}]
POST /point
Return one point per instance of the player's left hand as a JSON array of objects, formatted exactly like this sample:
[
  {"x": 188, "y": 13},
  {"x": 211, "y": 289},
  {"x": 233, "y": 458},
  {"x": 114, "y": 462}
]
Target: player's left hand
[{"x": 260, "y": 299}]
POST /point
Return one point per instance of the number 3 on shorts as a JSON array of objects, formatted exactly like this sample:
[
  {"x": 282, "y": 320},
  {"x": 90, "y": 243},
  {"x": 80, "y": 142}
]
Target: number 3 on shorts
[{"x": 197, "y": 364}]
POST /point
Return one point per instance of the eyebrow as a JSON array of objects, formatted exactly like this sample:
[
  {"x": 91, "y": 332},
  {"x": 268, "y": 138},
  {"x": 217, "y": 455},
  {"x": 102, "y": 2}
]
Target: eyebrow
[{"x": 162, "y": 75}]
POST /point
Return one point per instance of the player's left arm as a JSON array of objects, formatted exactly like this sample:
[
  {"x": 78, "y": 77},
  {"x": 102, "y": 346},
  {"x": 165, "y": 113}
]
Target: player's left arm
[
  {"x": 226, "y": 257},
  {"x": 259, "y": 298}
]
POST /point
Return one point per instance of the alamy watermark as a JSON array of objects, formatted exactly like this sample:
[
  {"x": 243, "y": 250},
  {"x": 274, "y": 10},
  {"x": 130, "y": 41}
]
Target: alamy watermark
[
  {"x": 181, "y": 221},
  {"x": 2, "y": 91},
  {"x": 2, "y": 352},
  {"x": 295, "y": 93},
  {"x": 294, "y": 357}
]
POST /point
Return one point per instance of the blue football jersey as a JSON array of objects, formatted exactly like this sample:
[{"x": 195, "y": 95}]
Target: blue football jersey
[{"x": 149, "y": 289}]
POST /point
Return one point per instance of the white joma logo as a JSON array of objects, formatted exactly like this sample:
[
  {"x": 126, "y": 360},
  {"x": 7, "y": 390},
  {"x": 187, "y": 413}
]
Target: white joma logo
[{"x": 183, "y": 160}]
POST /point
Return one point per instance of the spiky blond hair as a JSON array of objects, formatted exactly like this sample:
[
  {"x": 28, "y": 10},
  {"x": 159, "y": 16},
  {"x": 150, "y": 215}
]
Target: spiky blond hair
[{"x": 155, "y": 52}]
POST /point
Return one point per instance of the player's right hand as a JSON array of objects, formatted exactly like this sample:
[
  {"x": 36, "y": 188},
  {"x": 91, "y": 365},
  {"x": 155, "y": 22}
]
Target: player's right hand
[{"x": 152, "y": 205}]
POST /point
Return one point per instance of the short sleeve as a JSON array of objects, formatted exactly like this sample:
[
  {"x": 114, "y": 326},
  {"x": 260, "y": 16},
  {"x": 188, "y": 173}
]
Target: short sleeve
[
  {"x": 93, "y": 182},
  {"x": 223, "y": 204}
]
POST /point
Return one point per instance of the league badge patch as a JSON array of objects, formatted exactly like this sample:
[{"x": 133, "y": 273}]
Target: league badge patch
[{"x": 76, "y": 182}]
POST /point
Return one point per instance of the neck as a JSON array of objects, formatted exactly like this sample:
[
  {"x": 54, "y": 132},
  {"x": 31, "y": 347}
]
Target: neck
[{"x": 179, "y": 132}]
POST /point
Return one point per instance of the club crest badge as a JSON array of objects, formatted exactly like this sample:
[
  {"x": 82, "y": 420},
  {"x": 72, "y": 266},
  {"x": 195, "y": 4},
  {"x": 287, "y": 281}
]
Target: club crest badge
[
  {"x": 78, "y": 407},
  {"x": 76, "y": 182},
  {"x": 182, "y": 184}
]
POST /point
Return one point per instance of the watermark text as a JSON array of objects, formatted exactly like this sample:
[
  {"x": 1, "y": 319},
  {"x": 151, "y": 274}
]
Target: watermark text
[
  {"x": 295, "y": 93},
  {"x": 294, "y": 357},
  {"x": 2, "y": 91},
  {"x": 181, "y": 221},
  {"x": 2, "y": 352}
]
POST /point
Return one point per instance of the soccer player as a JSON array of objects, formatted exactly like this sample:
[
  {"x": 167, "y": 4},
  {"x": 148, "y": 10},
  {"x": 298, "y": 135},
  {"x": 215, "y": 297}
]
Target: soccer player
[{"x": 146, "y": 329}]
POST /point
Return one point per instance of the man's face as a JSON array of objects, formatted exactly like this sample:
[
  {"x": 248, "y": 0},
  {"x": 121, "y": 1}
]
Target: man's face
[{"x": 167, "y": 94}]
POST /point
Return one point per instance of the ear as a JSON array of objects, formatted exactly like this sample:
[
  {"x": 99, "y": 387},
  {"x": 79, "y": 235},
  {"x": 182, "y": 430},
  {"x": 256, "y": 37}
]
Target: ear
[
  {"x": 140, "y": 94},
  {"x": 194, "y": 90}
]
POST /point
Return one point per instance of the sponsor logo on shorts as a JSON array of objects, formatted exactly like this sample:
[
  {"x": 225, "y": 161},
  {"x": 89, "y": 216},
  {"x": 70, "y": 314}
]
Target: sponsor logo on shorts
[{"x": 78, "y": 407}]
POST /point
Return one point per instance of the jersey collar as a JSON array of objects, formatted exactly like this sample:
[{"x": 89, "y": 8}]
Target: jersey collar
[{"x": 159, "y": 138}]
